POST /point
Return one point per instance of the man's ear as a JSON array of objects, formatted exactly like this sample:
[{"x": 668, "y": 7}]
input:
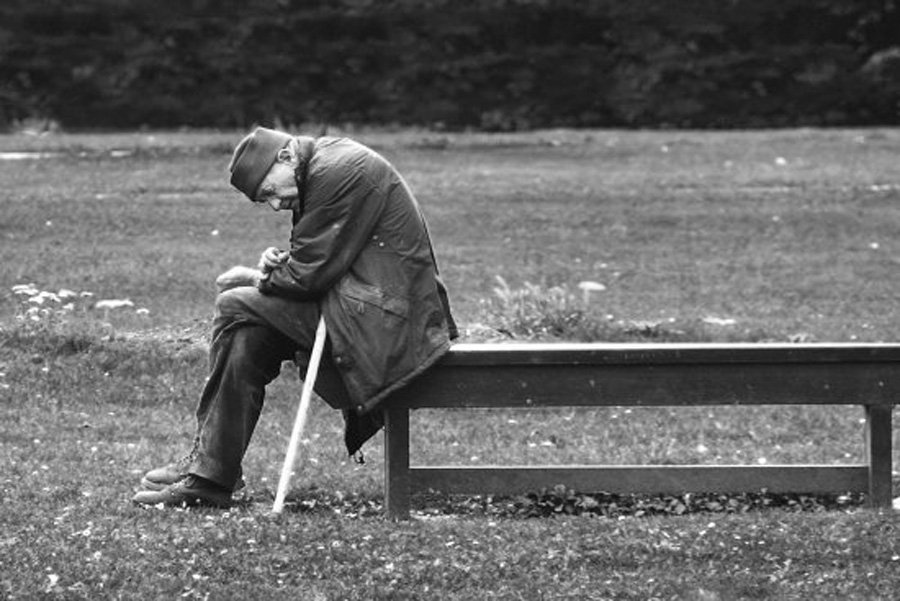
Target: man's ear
[{"x": 294, "y": 148}]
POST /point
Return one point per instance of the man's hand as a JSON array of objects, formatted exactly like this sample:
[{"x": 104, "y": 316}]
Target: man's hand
[
  {"x": 239, "y": 276},
  {"x": 272, "y": 258}
]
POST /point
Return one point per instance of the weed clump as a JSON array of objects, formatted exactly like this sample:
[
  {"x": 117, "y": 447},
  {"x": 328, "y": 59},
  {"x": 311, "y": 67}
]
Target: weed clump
[
  {"x": 46, "y": 324},
  {"x": 532, "y": 312},
  {"x": 563, "y": 501}
]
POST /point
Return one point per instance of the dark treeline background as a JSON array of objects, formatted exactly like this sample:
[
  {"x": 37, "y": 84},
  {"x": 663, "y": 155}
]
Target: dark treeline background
[{"x": 486, "y": 64}]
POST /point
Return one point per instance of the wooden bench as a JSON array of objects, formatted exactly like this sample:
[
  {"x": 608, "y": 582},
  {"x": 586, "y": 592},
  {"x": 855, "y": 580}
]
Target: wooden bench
[{"x": 570, "y": 375}]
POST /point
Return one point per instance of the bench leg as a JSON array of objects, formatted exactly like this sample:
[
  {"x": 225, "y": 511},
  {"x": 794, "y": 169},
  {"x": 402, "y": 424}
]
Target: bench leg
[
  {"x": 396, "y": 463},
  {"x": 879, "y": 454}
]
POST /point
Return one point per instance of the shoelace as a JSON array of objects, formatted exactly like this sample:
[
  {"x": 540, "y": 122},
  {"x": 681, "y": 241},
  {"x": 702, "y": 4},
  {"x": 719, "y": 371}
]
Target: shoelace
[{"x": 188, "y": 459}]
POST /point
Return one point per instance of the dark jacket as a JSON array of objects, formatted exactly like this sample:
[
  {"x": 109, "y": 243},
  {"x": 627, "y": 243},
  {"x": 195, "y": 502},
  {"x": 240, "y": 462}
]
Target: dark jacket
[{"x": 360, "y": 248}]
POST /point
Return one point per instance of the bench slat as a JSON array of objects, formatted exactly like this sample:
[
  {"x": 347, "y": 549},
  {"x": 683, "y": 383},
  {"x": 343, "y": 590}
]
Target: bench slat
[
  {"x": 643, "y": 353},
  {"x": 667, "y": 479},
  {"x": 471, "y": 386}
]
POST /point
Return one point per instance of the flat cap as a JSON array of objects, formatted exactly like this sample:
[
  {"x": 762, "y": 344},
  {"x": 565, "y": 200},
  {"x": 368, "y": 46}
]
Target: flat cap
[{"x": 253, "y": 157}]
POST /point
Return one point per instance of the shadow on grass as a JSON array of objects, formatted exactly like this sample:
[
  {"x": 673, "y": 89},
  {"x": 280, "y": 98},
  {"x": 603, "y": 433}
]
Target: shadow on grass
[{"x": 557, "y": 501}]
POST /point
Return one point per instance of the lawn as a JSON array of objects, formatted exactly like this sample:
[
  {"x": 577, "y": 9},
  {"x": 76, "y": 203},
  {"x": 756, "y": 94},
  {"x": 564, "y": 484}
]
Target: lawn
[{"x": 769, "y": 235}]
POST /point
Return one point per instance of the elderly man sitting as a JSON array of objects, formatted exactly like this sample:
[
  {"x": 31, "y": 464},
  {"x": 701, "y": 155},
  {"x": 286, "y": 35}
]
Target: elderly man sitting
[{"x": 361, "y": 257}]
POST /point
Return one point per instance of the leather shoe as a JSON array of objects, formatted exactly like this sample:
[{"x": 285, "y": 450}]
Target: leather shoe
[
  {"x": 191, "y": 490},
  {"x": 159, "y": 478}
]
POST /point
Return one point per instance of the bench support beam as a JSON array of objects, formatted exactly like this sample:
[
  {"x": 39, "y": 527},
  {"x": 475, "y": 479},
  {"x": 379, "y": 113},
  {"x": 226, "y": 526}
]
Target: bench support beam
[
  {"x": 396, "y": 464},
  {"x": 879, "y": 454},
  {"x": 655, "y": 479}
]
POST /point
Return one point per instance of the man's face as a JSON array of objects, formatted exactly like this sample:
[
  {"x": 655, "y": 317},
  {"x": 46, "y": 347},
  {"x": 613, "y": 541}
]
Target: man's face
[{"x": 279, "y": 189}]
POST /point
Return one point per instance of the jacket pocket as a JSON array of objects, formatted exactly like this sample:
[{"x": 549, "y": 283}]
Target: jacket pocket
[{"x": 362, "y": 296}]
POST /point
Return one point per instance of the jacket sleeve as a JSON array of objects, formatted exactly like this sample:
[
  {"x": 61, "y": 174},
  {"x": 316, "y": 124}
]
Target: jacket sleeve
[{"x": 342, "y": 209}]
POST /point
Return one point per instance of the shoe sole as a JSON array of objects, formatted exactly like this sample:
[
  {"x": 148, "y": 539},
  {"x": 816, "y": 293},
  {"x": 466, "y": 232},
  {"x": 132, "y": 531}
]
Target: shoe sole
[
  {"x": 147, "y": 499},
  {"x": 158, "y": 486}
]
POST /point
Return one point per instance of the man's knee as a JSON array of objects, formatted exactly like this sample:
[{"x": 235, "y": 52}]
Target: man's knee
[{"x": 233, "y": 302}]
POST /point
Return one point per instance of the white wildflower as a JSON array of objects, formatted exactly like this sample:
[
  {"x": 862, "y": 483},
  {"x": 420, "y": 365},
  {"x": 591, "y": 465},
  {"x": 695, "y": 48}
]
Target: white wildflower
[
  {"x": 591, "y": 286},
  {"x": 113, "y": 303},
  {"x": 587, "y": 287},
  {"x": 26, "y": 289},
  {"x": 719, "y": 321},
  {"x": 48, "y": 296}
]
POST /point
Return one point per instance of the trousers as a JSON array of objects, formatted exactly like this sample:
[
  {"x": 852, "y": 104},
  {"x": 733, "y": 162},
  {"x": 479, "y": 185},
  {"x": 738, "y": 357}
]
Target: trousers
[{"x": 252, "y": 336}]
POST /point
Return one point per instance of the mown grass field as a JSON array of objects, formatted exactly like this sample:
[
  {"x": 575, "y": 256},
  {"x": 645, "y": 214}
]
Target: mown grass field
[{"x": 781, "y": 235}]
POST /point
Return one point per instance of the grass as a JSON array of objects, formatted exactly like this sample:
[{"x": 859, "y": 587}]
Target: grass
[
  {"x": 780, "y": 235},
  {"x": 244, "y": 554}
]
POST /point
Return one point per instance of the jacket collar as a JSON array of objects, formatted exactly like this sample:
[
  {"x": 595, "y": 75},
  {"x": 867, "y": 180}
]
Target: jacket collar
[{"x": 307, "y": 149}]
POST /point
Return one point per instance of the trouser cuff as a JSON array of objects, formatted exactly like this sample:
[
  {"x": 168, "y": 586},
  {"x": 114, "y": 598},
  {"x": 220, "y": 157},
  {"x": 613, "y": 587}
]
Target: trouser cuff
[{"x": 214, "y": 471}]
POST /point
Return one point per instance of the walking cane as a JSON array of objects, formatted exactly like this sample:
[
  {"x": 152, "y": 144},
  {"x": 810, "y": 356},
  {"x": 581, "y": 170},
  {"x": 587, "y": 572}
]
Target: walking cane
[{"x": 309, "y": 382}]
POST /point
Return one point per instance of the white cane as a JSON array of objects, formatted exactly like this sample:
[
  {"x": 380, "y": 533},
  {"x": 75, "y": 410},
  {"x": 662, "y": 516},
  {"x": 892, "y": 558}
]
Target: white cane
[{"x": 308, "y": 383}]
